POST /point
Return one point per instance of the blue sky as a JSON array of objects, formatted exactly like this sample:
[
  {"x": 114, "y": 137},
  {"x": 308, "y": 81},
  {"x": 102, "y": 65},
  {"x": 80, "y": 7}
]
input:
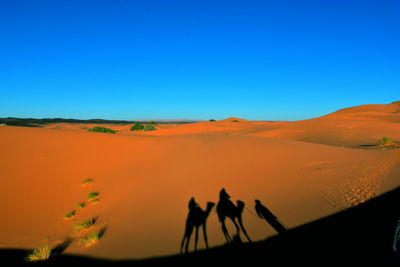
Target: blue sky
[{"x": 258, "y": 60}]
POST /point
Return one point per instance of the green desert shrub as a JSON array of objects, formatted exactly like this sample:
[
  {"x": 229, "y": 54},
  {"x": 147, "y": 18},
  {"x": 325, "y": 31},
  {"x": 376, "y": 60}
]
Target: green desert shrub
[
  {"x": 235, "y": 121},
  {"x": 137, "y": 126},
  {"x": 39, "y": 254},
  {"x": 80, "y": 205},
  {"x": 92, "y": 237},
  {"x": 153, "y": 123},
  {"x": 87, "y": 181},
  {"x": 212, "y": 120},
  {"x": 94, "y": 200},
  {"x": 149, "y": 127},
  {"x": 84, "y": 225},
  {"x": 101, "y": 129},
  {"x": 385, "y": 141},
  {"x": 93, "y": 194},
  {"x": 70, "y": 214}
]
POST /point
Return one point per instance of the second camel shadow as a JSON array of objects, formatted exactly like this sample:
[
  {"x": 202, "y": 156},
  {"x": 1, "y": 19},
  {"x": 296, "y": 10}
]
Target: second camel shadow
[{"x": 226, "y": 208}]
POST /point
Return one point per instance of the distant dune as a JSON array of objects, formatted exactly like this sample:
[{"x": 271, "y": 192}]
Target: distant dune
[
  {"x": 350, "y": 127},
  {"x": 301, "y": 171}
]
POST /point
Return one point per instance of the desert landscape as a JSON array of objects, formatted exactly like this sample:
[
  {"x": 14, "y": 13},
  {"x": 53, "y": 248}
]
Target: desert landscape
[
  {"x": 125, "y": 195},
  {"x": 199, "y": 132}
]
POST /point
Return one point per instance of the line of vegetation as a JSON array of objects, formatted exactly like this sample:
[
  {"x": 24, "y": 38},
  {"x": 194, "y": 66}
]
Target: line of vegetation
[
  {"x": 235, "y": 121},
  {"x": 137, "y": 126},
  {"x": 149, "y": 127},
  {"x": 101, "y": 129},
  {"x": 31, "y": 122},
  {"x": 83, "y": 228}
]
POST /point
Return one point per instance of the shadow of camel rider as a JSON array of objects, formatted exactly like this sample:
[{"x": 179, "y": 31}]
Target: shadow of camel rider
[{"x": 267, "y": 215}]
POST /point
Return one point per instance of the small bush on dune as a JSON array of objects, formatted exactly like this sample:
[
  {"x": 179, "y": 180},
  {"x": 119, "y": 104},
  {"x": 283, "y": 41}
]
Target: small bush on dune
[
  {"x": 93, "y": 194},
  {"x": 150, "y": 127},
  {"x": 235, "y": 121},
  {"x": 70, "y": 214},
  {"x": 212, "y": 120},
  {"x": 84, "y": 225},
  {"x": 137, "y": 126},
  {"x": 101, "y": 129},
  {"x": 39, "y": 254},
  {"x": 95, "y": 200},
  {"x": 80, "y": 205},
  {"x": 385, "y": 141},
  {"x": 87, "y": 181},
  {"x": 92, "y": 237}
]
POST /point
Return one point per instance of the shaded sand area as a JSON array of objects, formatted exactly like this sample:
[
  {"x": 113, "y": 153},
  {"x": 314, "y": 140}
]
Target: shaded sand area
[
  {"x": 338, "y": 239},
  {"x": 301, "y": 171}
]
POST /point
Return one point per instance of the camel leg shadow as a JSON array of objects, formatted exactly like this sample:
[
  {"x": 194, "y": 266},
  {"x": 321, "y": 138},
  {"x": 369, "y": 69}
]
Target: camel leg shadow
[
  {"x": 205, "y": 235},
  {"x": 225, "y": 231},
  {"x": 186, "y": 239},
  {"x": 196, "y": 238},
  {"x": 243, "y": 229}
]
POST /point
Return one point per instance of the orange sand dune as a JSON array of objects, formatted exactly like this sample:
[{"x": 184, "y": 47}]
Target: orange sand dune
[
  {"x": 145, "y": 179},
  {"x": 351, "y": 127}
]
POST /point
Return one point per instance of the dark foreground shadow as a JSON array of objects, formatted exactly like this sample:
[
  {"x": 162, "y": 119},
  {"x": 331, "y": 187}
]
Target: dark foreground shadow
[
  {"x": 61, "y": 247},
  {"x": 357, "y": 236}
]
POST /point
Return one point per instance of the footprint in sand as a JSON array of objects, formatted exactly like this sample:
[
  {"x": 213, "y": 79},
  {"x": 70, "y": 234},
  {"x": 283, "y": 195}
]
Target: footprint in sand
[
  {"x": 93, "y": 197},
  {"x": 347, "y": 183},
  {"x": 86, "y": 230},
  {"x": 87, "y": 181},
  {"x": 367, "y": 184}
]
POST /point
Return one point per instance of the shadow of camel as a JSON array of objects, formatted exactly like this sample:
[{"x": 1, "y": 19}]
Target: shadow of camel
[
  {"x": 197, "y": 217},
  {"x": 226, "y": 208}
]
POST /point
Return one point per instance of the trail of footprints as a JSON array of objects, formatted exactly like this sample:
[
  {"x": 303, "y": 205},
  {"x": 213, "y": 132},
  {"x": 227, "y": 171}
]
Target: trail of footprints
[
  {"x": 86, "y": 231},
  {"x": 367, "y": 184},
  {"x": 360, "y": 190}
]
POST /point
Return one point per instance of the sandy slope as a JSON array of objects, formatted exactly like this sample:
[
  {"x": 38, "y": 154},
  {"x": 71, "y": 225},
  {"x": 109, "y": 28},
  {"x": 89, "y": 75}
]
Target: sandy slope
[
  {"x": 145, "y": 179},
  {"x": 350, "y": 127}
]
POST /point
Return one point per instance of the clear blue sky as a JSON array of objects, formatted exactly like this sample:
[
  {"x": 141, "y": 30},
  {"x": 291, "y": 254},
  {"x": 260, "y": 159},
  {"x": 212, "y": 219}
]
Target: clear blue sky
[{"x": 258, "y": 60}]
